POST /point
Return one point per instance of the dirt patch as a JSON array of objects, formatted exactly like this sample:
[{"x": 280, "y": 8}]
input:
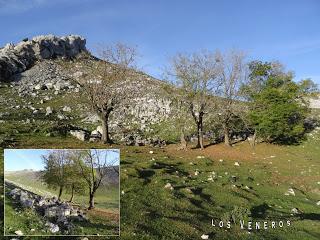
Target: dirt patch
[
  {"x": 104, "y": 213},
  {"x": 241, "y": 151}
]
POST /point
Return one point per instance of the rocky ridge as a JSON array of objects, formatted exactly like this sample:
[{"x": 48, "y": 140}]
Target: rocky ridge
[{"x": 18, "y": 58}]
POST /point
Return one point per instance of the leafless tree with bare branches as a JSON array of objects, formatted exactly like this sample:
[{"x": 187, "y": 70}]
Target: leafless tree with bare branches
[
  {"x": 197, "y": 76},
  {"x": 105, "y": 82},
  {"x": 233, "y": 75},
  {"x": 94, "y": 166}
]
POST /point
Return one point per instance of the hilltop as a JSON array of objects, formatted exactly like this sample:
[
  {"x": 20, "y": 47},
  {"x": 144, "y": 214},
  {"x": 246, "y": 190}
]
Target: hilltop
[{"x": 37, "y": 91}]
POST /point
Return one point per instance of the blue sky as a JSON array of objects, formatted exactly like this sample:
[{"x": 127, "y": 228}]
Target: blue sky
[
  {"x": 20, "y": 159},
  {"x": 286, "y": 30}
]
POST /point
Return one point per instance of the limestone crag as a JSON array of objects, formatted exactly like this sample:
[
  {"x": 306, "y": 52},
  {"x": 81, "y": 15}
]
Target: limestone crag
[{"x": 18, "y": 58}]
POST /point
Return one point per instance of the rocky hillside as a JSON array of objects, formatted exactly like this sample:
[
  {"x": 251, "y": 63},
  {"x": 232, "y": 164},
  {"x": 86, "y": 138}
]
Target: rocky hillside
[
  {"x": 37, "y": 91},
  {"x": 315, "y": 102}
]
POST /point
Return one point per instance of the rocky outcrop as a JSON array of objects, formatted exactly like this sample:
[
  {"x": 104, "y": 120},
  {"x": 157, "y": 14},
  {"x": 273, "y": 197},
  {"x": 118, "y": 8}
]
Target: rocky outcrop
[
  {"x": 18, "y": 58},
  {"x": 315, "y": 102}
]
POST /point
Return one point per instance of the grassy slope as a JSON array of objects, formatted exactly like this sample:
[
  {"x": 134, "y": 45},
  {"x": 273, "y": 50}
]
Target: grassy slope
[
  {"x": 172, "y": 214},
  {"x": 106, "y": 197},
  {"x": 149, "y": 211}
]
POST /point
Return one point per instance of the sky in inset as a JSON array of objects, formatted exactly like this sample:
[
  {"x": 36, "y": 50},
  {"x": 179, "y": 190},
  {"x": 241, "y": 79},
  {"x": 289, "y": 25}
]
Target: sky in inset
[{"x": 21, "y": 159}]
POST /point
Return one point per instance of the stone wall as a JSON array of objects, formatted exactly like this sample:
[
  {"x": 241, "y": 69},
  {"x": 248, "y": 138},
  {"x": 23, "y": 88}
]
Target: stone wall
[{"x": 59, "y": 215}]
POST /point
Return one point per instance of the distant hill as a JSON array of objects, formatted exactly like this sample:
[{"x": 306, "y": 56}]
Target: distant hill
[{"x": 29, "y": 175}]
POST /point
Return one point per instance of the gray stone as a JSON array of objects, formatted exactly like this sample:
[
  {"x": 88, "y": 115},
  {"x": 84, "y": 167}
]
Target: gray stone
[
  {"x": 52, "y": 227},
  {"x": 48, "y": 111},
  {"x": 66, "y": 109},
  {"x": 79, "y": 134},
  {"x": 19, "y": 233}
]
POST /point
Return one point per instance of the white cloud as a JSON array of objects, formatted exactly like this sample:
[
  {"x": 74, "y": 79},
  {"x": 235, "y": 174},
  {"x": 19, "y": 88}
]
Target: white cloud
[{"x": 19, "y": 6}]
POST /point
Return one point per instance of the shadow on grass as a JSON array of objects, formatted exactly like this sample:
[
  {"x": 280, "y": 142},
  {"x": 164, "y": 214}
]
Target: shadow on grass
[
  {"x": 146, "y": 174},
  {"x": 310, "y": 216},
  {"x": 260, "y": 211},
  {"x": 170, "y": 168},
  {"x": 199, "y": 191}
]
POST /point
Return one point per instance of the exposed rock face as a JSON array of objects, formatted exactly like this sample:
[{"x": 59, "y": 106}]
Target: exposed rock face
[
  {"x": 18, "y": 58},
  {"x": 315, "y": 102}
]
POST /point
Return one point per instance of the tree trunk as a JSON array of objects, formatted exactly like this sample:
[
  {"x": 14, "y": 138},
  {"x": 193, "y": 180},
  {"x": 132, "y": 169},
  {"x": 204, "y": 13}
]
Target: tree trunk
[
  {"x": 254, "y": 137},
  {"x": 91, "y": 201},
  {"x": 105, "y": 138},
  {"x": 252, "y": 140},
  {"x": 72, "y": 193},
  {"x": 60, "y": 193},
  {"x": 226, "y": 135},
  {"x": 200, "y": 133},
  {"x": 183, "y": 142}
]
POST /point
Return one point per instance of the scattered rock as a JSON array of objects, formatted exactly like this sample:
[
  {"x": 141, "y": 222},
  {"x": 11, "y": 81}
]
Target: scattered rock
[
  {"x": 237, "y": 164},
  {"x": 52, "y": 227},
  {"x": 168, "y": 186},
  {"x": 19, "y": 233},
  {"x": 290, "y": 192},
  {"x": 295, "y": 210},
  {"x": 66, "y": 109},
  {"x": 48, "y": 111},
  {"x": 204, "y": 236}
]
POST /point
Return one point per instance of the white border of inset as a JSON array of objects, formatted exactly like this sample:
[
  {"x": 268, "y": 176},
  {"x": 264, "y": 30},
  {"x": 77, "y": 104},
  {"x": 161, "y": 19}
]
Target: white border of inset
[{"x": 4, "y": 193}]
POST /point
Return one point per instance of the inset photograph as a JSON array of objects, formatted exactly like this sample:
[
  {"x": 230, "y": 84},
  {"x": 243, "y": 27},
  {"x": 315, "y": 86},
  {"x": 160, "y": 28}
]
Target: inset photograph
[{"x": 61, "y": 192}]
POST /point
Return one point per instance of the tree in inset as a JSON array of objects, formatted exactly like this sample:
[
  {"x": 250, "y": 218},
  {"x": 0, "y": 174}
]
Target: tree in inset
[
  {"x": 94, "y": 166},
  {"x": 55, "y": 172}
]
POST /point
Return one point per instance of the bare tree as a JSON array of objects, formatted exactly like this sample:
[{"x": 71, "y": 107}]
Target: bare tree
[
  {"x": 232, "y": 76},
  {"x": 94, "y": 166},
  {"x": 105, "y": 80},
  {"x": 197, "y": 77}
]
